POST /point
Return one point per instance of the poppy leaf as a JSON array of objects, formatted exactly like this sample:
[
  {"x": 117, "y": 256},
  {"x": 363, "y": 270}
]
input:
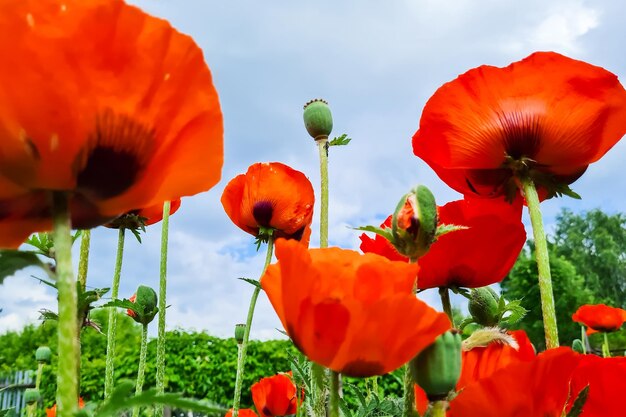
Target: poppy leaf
[
  {"x": 343, "y": 405},
  {"x": 254, "y": 282},
  {"x": 340, "y": 140},
  {"x": 12, "y": 261},
  {"x": 359, "y": 394},
  {"x": 579, "y": 403},
  {"x": 46, "y": 314},
  {"x": 386, "y": 233},
  {"x": 298, "y": 371},
  {"x": 125, "y": 303},
  {"x": 517, "y": 312}
]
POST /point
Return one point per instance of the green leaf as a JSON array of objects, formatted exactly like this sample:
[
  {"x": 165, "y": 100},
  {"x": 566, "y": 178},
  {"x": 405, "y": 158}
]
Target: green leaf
[
  {"x": 386, "y": 233},
  {"x": 298, "y": 371},
  {"x": 45, "y": 315},
  {"x": 579, "y": 403},
  {"x": 340, "y": 140},
  {"x": 12, "y": 261},
  {"x": 137, "y": 233},
  {"x": 517, "y": 313},
  {"x": 444, "y": 229},
  {"x": 465, "y": 323},
  {"x": 125, "y": 303},
  {"x": 359, "y": 394},
  {"x": 254, "y": 282},
  {"x": 8, "y": 412},
  {"x": 121, "y": 400},
  {"x": 345, "y": 409}
]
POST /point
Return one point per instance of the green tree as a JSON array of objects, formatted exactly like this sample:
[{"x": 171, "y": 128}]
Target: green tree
[{"x": 595, "y": 243}]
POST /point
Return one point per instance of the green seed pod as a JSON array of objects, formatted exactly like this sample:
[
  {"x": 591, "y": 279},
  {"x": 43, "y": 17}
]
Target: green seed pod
[
  {"x": 31, "y": 396},
  {"x": 483, "y": 306},
  {"x": 577, "y": 346},
  {"x": 43, "y": 354},
  {"x": 438, "y": 367},
  {"x": 414, "y": 223},
  {"x": 146, "y": 302},
  {"x": 240, "y": 330},
  {"x": 318, "y": 119}
]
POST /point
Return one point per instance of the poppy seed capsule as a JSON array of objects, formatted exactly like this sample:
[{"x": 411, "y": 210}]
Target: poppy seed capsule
[
  {"x": 146, "y": 301},
  {"x": 318, "y": 119},
  {"x": 31, "y": 396},
  {"x": 240, "y": 330},
  {"x": 414, "y": 223},
  {"x": 483, "y": 306},
  {"x": 438, "y": 367},
  {"x": 43, "y": 354}
]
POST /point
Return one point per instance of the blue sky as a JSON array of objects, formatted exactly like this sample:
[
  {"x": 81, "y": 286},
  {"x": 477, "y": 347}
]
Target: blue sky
[{"x": 376, "y": 63}]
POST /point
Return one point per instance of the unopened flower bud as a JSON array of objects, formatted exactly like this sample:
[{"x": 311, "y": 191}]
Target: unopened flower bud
[
  {"x": 31, "y": 396},
  {"x": 43, "y": 354},
  {"x": 483, "y": 306},
  {"x": 145, "y": 300},
  {"x": 438, "y": 367},
  {"x": 240, "y": 330},
  {"x": 414, "y": 223},
  {"x": 577, "y": 346},
  {"x": 318, "y": 119}
]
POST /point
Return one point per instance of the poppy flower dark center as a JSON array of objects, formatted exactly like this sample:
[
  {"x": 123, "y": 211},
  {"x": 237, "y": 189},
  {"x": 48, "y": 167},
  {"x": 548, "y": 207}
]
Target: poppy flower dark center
[
  {"x": 262, "y": 212},
  {"x": 362, "y": 368},
  {"x": 521, "y": 134},
  {"x": 118, "y": 150}
]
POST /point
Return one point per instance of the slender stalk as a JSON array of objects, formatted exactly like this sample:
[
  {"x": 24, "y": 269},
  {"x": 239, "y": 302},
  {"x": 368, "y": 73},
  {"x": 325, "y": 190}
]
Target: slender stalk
[
  {"x": 543, "y": 264},
  {"x": 241, "y": 359},
  {"x": 112, "y": 326},
  {"x": 142, "y": 365},
  {"x": 30, "y": 410},
  {"x": 39, "y": 375},
  {"x": 408, "y": 406},
  {"x": 68, "y": 359},
  {"x": 606, "y": 351},
  {"x": 375, "y": 385},
  {"x": 160, "y": 350},
  {"x": 322, "y": 145},
  {"x": 438, "y": 409},
  {"x": 83, "y": 261},
  {"x": 583, "y": 338},
  {"x": 334, "y": 394},
  {"x": 318, "y": 382},
  {"x": 445, "y": 302}
]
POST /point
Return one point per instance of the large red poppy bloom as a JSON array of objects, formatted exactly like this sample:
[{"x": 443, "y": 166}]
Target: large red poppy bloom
[
  {"x": 606, "y": 378},
  {"x": 474, "y": 257},
  {"x": 108, "y": 104},
  {"x": 537, "y": 388},
  {"x": 600, "y": 318},
  {"x": 275, "y": 396},
  {"x": 547, "y": 117},
  {"x": 355, "y": 314},
  {"x": 271, "y": 195}
]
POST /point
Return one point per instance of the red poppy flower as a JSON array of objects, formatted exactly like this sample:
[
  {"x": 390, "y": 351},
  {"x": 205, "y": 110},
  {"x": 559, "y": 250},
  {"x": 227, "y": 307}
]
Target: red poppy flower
[
  {"x": 355, "y": 314},
  {"x": 104, "y": 102},
  {"x": 606, "y": 378},
  {"x": 537, "y": 388},
  {"x": 243, "y": 412},
  {"x": 52, "y": 411},
  {"x": 546, "y": 117},
  {"x": 275, "y": 396},
  {"x": 271, "y": 195},
  {"x": 474, "y": 257},
  {"x": 600, "y": 318},
  {"x": 132, "y": 300},
  {"x": 151, "y": 215}
]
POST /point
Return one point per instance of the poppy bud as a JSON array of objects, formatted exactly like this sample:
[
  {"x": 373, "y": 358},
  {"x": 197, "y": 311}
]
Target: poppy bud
[
  {"x": 483, "y": 306},
  {"x": 145, "y": 300},
  {"x": 317, "y": 119},
  {"x": 414, "y": 222},
  {"x": 31, "y": 396},
  {"x": 43, "y": 354},
  {"x": 577, "y": 346},
  {"x": 240, "y": 330},
  {"x": 438, "y": 367}
]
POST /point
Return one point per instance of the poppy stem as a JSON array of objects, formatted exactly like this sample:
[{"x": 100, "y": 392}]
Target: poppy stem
[
  {"x": 160, "y": 349},
  {"x": 322, "y": 145},
  {"x": 408, "y": 409},
  {"x": 112, "y": 322},
  {"x": 39, "y": 375},
  {"x": 318, "y": 383},
  {"x": 583, "y": 338},
  {"x": 606, "y": 351},
  {"x": 68, "y": 360},
  {"x": 241, "y": 357},
  {"x": 437, "y": 409},
  {"x": 543, "y": 264},
  {"x": 334, "y": 394},
  {"x": 142, "y": 365},
  {"x": 83, "y": 260},
  {"x": 444, "y": 294}
]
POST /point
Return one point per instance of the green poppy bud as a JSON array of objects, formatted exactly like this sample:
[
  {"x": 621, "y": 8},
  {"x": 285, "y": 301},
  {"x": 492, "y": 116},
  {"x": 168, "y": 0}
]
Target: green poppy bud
[
  {"x": 31, "y": 396},
  {"x": 43, "y": 354},
  {"x": 483, "y": 306},
  {"x": 577, "y": 346},
  {"x": 318, "y": 119},
  {"x": 240, "y": 330},
  {"x": 414, "y": 223},
  {"x": 438, "y": 367},
  {"x": 146, "y": 308}
]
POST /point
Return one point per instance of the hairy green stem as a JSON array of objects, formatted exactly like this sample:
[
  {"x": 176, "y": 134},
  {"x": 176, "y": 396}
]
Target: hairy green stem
[
  {"x": 318, "y": 382},
  {"x": 408, "y": 405},
  {"x": 109, "y": 379},
  {"x": 83, "y": 261},
  {"x": 543, "y": 264},
  {"x": 142, "y": 365},
  {"x": 438, "y": 409},
  {"x": 68, "y": 353},
  {"x": 583, "y": 338},
  {"x": 606, "y": 351},
  {"x": 243, "y": 348},
  {"x": 160, "y": 350},
  {"x": 334, "y": 394},
  {"x": 39, "y": 375},
  {"x": 444, "y": 294},
  {"x": 322, "y": 145}
]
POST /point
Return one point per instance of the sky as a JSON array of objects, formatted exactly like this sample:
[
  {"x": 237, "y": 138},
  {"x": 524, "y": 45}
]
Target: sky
[{"x": 376, "y": 63}]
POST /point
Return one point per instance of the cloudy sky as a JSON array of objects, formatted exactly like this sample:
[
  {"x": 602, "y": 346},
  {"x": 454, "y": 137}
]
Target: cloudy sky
[{"x": 376, "y": 63}]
